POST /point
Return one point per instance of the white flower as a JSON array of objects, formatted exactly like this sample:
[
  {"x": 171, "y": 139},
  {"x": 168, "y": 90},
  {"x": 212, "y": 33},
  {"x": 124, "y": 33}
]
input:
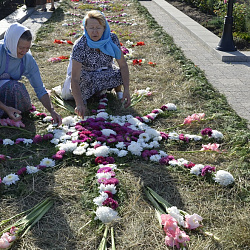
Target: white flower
[
  {"x": 10, "y": 179},
  {"x": 102, "y": 151},
  {"x": 68, "y": 146},
  {"x": 120, "y": 145},
  {"x": 48, "y": 118},
  {"x": 103, "y": 115},
  {"x": 90, "y": 151},
  {"x": 103, "y": 175},
  {"x": 110, "y": 187},
  {"x": 145, "y": 137},
  {"x": 162, "y": 153},
  {"x": 58, "y": 134},
  {"x": 173, "y": 163},
  {"x": 55, "y": 141},
  {"x": 223, "y": 177},
  {"x": 31, "y": 169},
  {"x": 135, "y": 148},
  {"x": 174, "y": 212},
  {"x": 196, "y": 169},
  {"x": 155, "y": 158},
  {"x": 69, "y": 120},
  {"x": 154, "y": 144},
  {"x": 27, "y": 141},
  {"x": 114, "y": 151},
  {"x": 113, "y": 166},
  {"x": 65, "y": 137},
  {"x": 122, "y": 153},
  {"x": 84, "y": 144},
  {"x": 79, "y": 151},
  {"x": 216, "y": 134},
  {"x": 47, "y": 162},
  {"x": 108, "y": 132},
  {"x": 145, "y": 119},
  {"x": 173, "y": 136},
  {"x": 100, "y": 199},
  {"x": 171, "y": 106},
  {"x": 106, "y": 214},
  {"x": 8, "y": 142}
]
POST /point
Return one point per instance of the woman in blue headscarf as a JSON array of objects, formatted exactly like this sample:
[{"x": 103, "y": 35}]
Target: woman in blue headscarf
[
  {"x": 93, "y": 70},
  {"x": 16, "y": 61}
]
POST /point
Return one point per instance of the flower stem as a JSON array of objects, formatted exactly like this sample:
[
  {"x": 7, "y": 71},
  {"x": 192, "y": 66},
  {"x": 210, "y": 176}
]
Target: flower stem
[{"x": 112, "y": 239}]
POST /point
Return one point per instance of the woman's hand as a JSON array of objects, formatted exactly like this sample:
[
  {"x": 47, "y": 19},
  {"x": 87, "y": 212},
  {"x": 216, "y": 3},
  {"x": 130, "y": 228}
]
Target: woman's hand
[
  {"x": 80, "y": 110},
  {"x": 13, "y": 113},
  {"x": 126, "y": 99},
  {"x": 57, "y": 119}
]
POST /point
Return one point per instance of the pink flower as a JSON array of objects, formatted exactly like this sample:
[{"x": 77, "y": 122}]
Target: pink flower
[
  {"x": 169, "y": 223},
  {"x": 37, "y": 139},
  {"x": 212, "y": 147},
  {"x": 22, "y": 171},
  {"x": 4, "y": 243},
  {"x": 194, "y": 117},
  {"x": 180, "y": 237},
  {"x": 192, "y": 221},
  {"x": 2, "y": 157},
  {"x": 169, "y": 240}
]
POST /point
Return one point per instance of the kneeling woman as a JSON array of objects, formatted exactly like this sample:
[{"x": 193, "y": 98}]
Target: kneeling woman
[
  {"x": 93, "y": 69},
  {"x": 16, "y": 61}
]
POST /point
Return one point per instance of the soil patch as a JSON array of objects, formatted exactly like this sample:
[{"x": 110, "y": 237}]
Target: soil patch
[{"x": 8, "y": 7}]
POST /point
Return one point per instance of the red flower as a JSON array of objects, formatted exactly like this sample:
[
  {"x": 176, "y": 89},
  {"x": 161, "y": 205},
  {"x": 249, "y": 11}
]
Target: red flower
[
  {"x": 58, "y": 41},
  {"x": 140, "y": 43},
  {"x": 152, "y": 64},
  {"x": 136, "y": 61},
  {"x": 69, "y": 42}
]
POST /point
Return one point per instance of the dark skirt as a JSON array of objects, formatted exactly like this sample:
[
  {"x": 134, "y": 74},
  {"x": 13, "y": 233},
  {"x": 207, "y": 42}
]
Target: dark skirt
[{"x": 14, "y": 94}]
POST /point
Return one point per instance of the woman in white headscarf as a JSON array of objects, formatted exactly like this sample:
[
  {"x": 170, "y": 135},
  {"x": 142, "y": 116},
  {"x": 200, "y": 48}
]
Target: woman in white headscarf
[{"x": 16, "y": 61}]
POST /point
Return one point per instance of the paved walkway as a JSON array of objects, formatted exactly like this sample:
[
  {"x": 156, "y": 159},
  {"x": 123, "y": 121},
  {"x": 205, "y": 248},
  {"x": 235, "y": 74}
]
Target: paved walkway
[{"x": 227, "y": 72}]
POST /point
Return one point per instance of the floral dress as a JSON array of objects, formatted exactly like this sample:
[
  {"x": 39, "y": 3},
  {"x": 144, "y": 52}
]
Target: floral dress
[{"x": 98, "y": 69}]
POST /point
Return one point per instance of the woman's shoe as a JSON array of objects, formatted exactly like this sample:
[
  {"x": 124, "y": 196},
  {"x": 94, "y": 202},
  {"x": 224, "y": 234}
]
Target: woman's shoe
[
  {"x": 43, "y": 10},
  {"x": 52, "y": 9}
]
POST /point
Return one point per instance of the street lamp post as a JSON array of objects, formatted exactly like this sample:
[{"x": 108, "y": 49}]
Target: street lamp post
[{"x": 226, "y": 43}]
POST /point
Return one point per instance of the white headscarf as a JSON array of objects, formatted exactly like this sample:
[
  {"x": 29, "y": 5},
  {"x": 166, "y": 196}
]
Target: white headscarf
[{"x": 11, "y": 38}]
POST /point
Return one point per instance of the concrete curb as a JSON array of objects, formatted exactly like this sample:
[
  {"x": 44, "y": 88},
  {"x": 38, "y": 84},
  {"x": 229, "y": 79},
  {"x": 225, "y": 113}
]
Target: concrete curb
[
  {"x": 204, "y": 36},
  {"x": 20, "y": 15}
]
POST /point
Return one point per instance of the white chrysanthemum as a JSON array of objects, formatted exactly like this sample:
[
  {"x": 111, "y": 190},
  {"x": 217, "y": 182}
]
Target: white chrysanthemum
[
  {"x": 103, "y": 175},
  {"x": 31, "y": 169},
  {"x": 79, "y": 151},
  {"x": 216, "y": 134},
  {"x": 144, "y": 136},
  {"x": 154, "y": 144},
  {"x": 50, "y": 128},
  {"x": 103, "y": 115},
  {"x": 155, "y": 158},
  {"x": 90, "y": 151},
  {"x": 159, "y": 111},
  {"x": 153, "y": 115},
  {"x": 68, "y": 146},
  {"x": 162, "y": 153},
  {"x": 58, "y": 134},
  {"x": 65, "y": 137},
  {"x": 104, "y": 99},
  {"x": 102, "y": 151},
  {"x": 173, "y": 136},
  {"x": 93, "y": 144},
  {"x": 100, "y": 199},
  {"x": 145, "y": 119},
  {"x": 100, "y": 110},
  {"x": 114, "y": 151},
  {"x": 157, "y": 138},
  {"x": 173, "y": 163},
  {"x": 113, "y": 166},
  {"x": 152, "y": 132},
  {"x": 55, "y": 141},
  {"x": 27, "y": 141},
  {"x": 135, "y": 148},
  {"x": 108, "y": 132},
  {"x": 223, "y": 177},
  {"x": 143, "y": 126},
  {"x": 133, "y": 121},
  {"x": 193, "y": 137},
  {"x": 84, "y": 144},
  {"x": 103, "y": 103},
  {"x": 120, "y": 145},
  {"x": 69, "y": 121},
  {"x": 10, "y": 179},
  {"x": 110, "y": 187},
  {"x": 171, "y": 106},
  {"x": 122, "y": 153},
  {"x": 47, "y": 162},
  {"x": 196, "y": 169},
  {"x": 174, "y": 212},
  {"x": 182, "y": 161},
  {"x": 106, "y": 214},
  {"x": 8, "y": 142},
  {"x": 48, "y": 118}
]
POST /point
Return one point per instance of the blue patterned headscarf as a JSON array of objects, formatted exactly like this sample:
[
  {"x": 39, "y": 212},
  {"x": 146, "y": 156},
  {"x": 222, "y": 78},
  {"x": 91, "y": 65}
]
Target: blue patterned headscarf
[{"x": 105, "y": 44}]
